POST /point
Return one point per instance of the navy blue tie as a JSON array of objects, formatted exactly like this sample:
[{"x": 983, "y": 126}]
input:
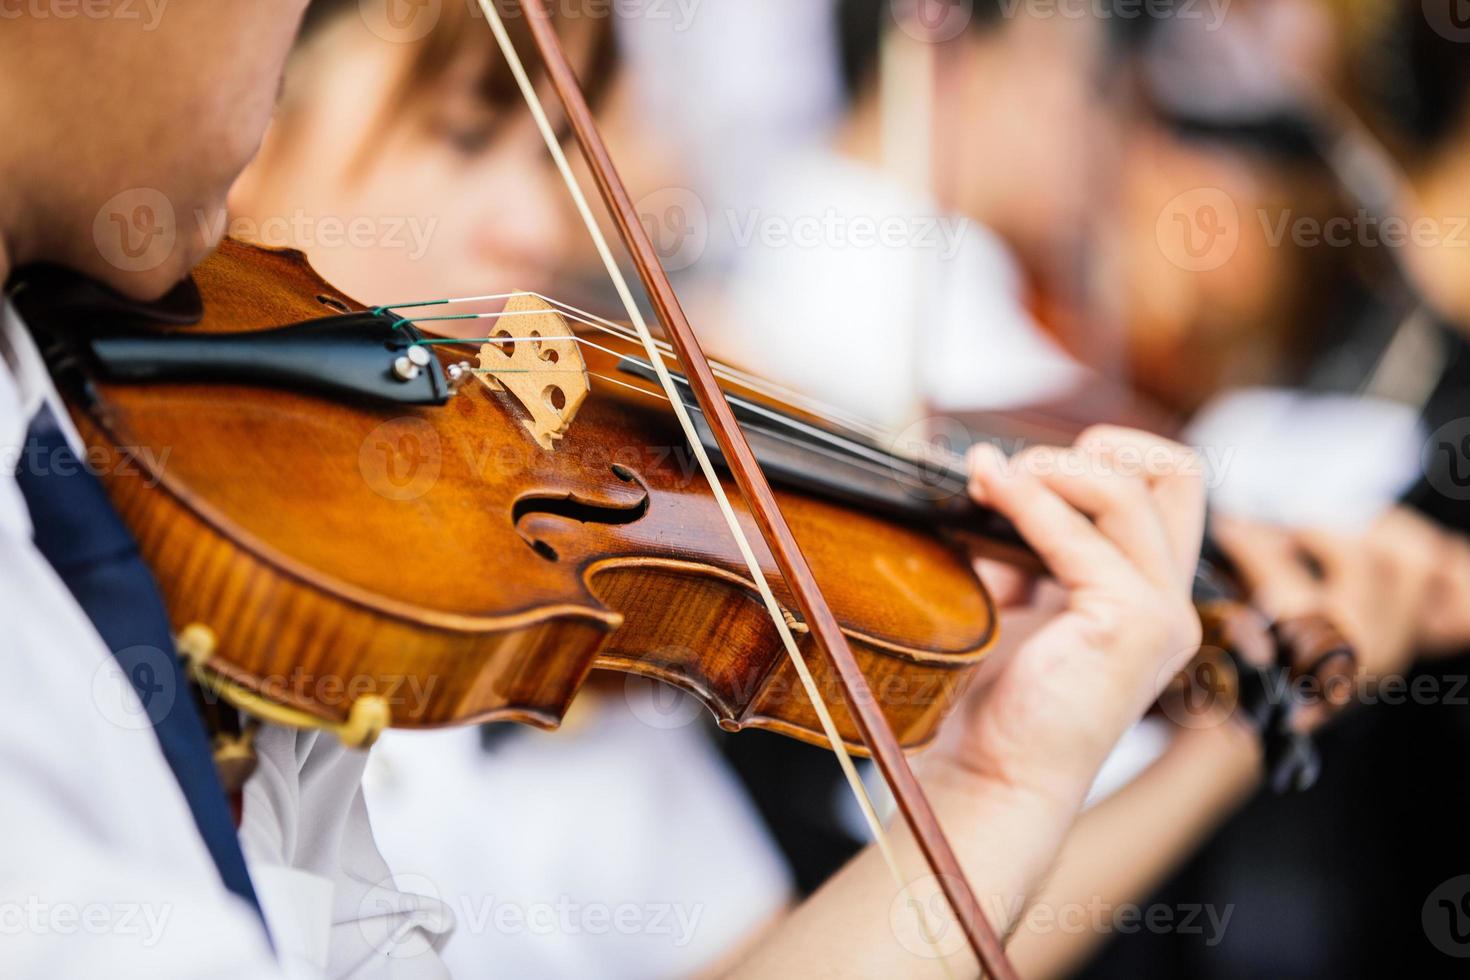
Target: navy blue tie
[{"x": 81, "y": 535}]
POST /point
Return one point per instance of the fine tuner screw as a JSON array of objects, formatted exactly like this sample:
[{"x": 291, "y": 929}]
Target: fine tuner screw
[
  {"x": 458, "y": 374},
  {"x": 409, "y": 366}
]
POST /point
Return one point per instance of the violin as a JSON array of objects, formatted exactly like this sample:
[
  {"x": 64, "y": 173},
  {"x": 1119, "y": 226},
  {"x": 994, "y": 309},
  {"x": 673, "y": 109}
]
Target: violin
[
  {"x": 464, "y": 540},
  {"x": 356, "y": 527}
]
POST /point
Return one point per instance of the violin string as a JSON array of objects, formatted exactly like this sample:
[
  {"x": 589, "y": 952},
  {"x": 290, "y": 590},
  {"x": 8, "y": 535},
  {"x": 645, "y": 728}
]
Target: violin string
[
  {"x": 886, "y": 458},
  {"x": 824, "y": 411},
  {"x": 473, "y": 341},
  {"x": 590, "y": 374},
  {"x": 501, "y": 339},
  {"x": 875, "y": 461},
  {"x": 879, "y": 469},
  {"x": 467, "y": 316},
  {"x": 656, "y": 358}
]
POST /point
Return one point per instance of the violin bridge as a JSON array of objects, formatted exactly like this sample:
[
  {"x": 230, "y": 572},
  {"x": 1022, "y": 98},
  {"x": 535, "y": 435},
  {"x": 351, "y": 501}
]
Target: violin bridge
[{"x": 538, "y": 365}]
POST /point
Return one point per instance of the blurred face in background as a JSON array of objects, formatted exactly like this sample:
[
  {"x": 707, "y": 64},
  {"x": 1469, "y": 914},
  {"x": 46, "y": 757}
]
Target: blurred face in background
[
  {"x": 1436, "y": 207},
  {"x": 1210, "y": 294},
  {"x": 1022, "y": 130},
  {"x": 410, "y": 169}
]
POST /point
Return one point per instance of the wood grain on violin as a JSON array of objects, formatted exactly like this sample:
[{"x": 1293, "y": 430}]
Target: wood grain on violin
[{"x": 444, "y": 560}]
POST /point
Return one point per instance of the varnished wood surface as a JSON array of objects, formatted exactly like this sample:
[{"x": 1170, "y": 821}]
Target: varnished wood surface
[{"x": 338, "y": 549}]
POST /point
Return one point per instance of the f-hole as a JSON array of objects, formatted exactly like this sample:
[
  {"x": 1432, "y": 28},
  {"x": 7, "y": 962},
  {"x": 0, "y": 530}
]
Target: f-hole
[{"x": 581, "y": 510}]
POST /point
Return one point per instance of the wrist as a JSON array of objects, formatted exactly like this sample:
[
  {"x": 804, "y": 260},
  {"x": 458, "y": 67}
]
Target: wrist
[
  {"x": 973, "y": 794},
  {"x": 1006, "y": 836},
  {"x": 1231, "y": 752}
]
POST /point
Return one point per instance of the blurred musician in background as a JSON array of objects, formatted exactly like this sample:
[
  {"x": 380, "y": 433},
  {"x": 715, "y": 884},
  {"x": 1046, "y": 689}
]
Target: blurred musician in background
[
  {"x": 886, "y": 296},
  {"x": 1372, "y": 98},
  {"x": 1035, "y": 137}
]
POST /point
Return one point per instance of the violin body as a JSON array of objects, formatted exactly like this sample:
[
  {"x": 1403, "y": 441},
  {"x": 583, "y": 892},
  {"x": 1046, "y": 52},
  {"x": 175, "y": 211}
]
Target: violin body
[{"x": 442, "y": 563}]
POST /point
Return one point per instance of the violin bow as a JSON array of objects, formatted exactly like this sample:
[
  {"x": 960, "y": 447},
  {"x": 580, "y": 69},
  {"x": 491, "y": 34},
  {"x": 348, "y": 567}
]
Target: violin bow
[{"x": 873, "y": 727}]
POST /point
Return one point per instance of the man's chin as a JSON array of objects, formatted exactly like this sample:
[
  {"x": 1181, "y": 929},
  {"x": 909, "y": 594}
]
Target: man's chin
[{"x": 155, "y": 279}]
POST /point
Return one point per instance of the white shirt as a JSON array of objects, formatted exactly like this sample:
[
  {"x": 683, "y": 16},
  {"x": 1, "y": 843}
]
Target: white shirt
[
  {"x": 102, "y": 870},
  {"x": 854, "y": 291},
  {"x": 694, "y": 95},
  {"x": 334, "y": 908},
  {"x": 1301, "y": 459},
  {"x": 100, "y": 846},
  {"x": 621, "y": 846}
]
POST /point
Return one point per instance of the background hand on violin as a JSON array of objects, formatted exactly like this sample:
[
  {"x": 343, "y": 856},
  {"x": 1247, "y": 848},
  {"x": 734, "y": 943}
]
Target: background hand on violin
[
  {"x": 1444, "y": 622},
  {"x": 1397, "y": 589},
  {"x": 1123, "y": 543}
]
